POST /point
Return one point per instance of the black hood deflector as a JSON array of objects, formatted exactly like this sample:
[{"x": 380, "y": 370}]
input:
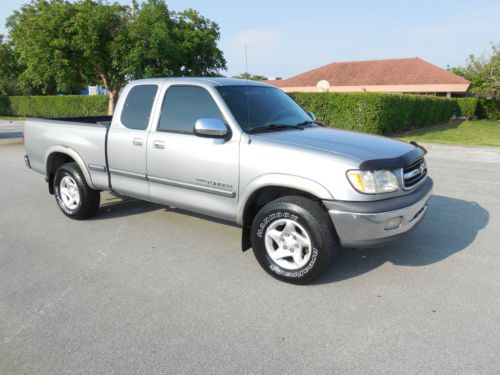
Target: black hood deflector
[{"x": 392, "y": 163}]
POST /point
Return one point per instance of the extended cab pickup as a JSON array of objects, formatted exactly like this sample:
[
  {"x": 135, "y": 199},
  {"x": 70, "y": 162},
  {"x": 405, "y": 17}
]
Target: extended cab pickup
[{"x": 244, "y": 152}]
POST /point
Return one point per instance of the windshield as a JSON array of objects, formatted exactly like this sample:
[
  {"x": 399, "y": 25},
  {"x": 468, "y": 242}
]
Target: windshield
[{"x": 262, "y": 107}]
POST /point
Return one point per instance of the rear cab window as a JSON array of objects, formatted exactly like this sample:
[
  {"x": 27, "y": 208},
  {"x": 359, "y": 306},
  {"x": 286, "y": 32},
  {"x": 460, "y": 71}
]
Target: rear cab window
[{"x": 137, "y": 107}]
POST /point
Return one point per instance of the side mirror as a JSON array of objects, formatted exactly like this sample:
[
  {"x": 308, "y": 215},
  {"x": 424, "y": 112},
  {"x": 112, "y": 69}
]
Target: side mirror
[
  {"x": 211, "y": 128},
  {"x": 312, "y": 116}
]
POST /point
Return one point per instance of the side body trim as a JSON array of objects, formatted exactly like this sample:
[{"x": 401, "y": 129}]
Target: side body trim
[
  {"x": 97, "y": 168},
  {"x": 119, "y": 172},
  {"x": 186, "y": 185}
]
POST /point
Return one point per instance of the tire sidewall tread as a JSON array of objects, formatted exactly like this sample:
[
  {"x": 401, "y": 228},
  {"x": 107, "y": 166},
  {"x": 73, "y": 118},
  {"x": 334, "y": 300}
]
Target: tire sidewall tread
[
  {"x": 316, "y": 222},
  {"x": 89, "y": 198}
]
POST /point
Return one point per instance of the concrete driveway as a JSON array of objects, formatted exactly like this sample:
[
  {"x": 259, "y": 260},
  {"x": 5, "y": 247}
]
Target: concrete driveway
[{"x": 144, "y": 289}]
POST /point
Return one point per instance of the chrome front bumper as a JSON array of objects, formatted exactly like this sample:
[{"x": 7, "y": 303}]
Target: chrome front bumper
[{"x": 363, "y": 228}]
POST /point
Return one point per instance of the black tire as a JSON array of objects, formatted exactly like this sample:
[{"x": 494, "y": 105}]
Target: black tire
[
  {"x": 304, "y": 214},
  {"x": 88, "y": 198}
]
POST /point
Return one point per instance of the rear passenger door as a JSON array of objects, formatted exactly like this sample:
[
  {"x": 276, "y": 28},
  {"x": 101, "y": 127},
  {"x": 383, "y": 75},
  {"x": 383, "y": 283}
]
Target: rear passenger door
[
  {"x": 188, "y": 171},
  {"x": 127, "y": 141}
]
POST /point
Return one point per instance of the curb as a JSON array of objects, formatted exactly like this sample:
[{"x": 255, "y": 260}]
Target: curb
[{"x": 11, "y": 141}]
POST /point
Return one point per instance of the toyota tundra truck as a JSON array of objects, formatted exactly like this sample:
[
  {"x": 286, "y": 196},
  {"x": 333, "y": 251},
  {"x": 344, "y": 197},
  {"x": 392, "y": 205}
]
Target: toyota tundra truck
[{"x": 241, "y": 151}]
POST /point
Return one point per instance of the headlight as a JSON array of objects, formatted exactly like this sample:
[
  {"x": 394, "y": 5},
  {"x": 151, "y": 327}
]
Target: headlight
[{"x": 375, "y": 182}]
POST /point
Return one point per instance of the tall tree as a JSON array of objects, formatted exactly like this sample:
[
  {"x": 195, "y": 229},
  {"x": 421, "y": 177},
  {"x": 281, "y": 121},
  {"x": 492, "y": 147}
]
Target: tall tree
[
  {"x": 165, "y": 43},
  {"x": 63, "y": 44},
  {"x": 483, "y": 72},
  {"x": 148, "y": 48},
  {"x": 99, "y": 33},
  {"x": 9, "y": 69},
  {"x": 197, "y": 38},
  {"x": 41, "y": 36}
]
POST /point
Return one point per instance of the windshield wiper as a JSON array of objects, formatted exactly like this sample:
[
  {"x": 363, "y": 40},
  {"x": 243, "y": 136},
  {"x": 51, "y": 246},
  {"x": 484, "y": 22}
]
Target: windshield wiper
[
  {"x": 304, "y": 123},
  {"x": 272, "y": 127},
  {"x": 309, "y": 122}
]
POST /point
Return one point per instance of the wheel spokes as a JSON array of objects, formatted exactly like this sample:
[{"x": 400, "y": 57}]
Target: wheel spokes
[
  {"x": 288, "y": 244},
  {"x": 280, "y": 254},
  {"x": 289, "y": 227},
  {"x": 298, "y": 259},
  {"x": 275, "y": 235},
  {"x": 304, "y": 242},
  {"x": 64, "y": 191},
  {"x": 68, "y": 191}
]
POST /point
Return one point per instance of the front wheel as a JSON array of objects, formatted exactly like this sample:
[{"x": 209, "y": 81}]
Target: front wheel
[
  {"x": 75, "y": 197},
  {"x": 293, "y": 239}
]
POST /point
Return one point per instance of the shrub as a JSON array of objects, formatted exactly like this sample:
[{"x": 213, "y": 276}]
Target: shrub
[
  {"x": 488, "y": 109},
  {"x": 54, "y": 106},
  {"x": 468, "y": 106},
  {"x": 380, "y": 113}
]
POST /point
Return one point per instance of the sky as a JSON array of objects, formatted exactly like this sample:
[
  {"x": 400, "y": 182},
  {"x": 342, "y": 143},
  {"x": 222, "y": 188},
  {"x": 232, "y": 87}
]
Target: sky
[{"x": 285, "y": 38}]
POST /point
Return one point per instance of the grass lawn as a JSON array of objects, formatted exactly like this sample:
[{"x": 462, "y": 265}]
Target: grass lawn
[
  {"x": 11, "y": 118},
  {"x": 472, "y": 133}
]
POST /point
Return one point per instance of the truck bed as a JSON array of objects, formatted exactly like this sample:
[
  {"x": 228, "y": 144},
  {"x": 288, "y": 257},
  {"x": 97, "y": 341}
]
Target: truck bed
[{"x": 84, "y": 135}]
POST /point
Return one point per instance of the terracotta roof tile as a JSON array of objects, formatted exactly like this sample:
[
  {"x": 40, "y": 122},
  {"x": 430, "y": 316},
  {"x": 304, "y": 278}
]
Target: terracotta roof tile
[{"x": 412, "y": 71}]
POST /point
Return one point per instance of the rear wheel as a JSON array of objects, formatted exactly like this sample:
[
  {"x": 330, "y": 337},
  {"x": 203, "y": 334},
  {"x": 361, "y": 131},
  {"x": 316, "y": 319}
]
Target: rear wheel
[
  {"x": 293, "y": 239},
  {"x": 73, "y": 195}
]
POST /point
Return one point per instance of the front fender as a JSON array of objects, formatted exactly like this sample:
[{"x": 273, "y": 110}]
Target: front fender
[
  {"x": 280, "y": 180},
  {"x": 74, "y": 155}
]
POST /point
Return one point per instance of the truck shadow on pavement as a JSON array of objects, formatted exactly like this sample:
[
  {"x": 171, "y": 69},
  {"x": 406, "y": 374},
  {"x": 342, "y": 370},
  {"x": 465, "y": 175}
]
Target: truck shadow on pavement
[
  {"x": 450, "y": 226},
  {"x": 115, "y": 205}
]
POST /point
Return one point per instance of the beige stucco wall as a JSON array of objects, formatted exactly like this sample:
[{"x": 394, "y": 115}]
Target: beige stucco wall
[{"x": 385, "y": 88}]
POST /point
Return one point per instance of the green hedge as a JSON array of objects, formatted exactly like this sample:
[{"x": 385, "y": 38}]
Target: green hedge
[
  {"x": 467, "y": 106},
  {"x": 382, "y": 113},
  {"x": 366, "y": 112},
  {"x": 54, "y": 106}
]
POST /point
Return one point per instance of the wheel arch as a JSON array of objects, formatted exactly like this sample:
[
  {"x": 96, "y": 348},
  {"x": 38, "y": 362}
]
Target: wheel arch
[
  {"x": 270, "y": 187},
  {"x": 59, "y": 155}
]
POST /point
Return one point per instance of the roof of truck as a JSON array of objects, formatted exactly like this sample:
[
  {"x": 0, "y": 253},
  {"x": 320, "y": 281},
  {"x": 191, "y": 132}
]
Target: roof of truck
[{"x": 212, "y": 81}]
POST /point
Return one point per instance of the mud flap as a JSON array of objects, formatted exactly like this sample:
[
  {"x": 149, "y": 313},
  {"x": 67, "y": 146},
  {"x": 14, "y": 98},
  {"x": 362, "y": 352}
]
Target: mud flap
[{"x": 246, "y": 240}]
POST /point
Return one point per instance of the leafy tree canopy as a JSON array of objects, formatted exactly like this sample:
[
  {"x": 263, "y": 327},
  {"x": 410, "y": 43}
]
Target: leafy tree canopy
[
  {"x": 64, "y": 45},
  {"x": 249, "y": 76},
  {"x": 483, "y": 72},
  {"x": 9, "y": 69}
]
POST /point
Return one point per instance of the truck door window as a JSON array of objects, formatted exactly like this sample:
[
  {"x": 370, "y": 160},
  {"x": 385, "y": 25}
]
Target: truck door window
[
  {"x": 137, "y": 108},
  {"x": 183, "y": 106}
]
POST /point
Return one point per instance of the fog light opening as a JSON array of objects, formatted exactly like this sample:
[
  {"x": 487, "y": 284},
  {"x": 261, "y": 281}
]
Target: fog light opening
[{"x": 393, "y": 223}]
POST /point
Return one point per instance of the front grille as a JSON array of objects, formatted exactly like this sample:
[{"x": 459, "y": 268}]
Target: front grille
[{"x": 414, "y": 174}]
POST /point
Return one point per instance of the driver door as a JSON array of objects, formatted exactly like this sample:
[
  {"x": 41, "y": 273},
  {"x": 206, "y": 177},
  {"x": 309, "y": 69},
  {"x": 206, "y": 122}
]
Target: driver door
[{"x": 187, "y": 171}]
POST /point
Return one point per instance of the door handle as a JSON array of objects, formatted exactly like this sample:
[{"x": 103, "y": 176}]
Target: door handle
[
  {"x": 159, "y": 145},
  {"x": 137, "y": 141}
]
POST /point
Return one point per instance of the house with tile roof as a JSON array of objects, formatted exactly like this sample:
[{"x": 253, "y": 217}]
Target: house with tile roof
[{"x": 412, "y": 75}]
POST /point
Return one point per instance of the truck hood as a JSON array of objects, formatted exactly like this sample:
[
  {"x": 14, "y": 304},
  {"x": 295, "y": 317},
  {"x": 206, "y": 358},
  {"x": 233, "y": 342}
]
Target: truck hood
[{"x": 368, "y": 150}]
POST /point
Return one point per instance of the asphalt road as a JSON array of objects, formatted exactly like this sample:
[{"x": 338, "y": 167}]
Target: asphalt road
[{"x": 144, "y": 289}]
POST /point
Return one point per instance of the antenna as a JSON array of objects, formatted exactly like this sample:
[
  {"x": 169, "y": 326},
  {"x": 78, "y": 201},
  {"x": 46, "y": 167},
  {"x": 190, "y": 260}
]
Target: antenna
[
  {"x": 246, "y": 95},
  {"x": 246, "y": 59}
]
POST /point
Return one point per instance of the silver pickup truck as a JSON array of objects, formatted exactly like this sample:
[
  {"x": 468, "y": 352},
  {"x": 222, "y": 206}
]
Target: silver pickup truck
[{"x": 244, "y": 152}]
